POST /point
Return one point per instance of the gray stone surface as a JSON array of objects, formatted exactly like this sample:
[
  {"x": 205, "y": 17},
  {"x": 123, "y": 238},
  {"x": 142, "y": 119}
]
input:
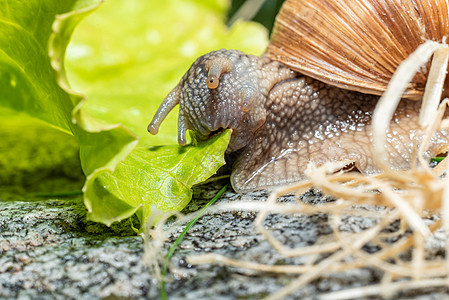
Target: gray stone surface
[{"x": 49, "y": 251}]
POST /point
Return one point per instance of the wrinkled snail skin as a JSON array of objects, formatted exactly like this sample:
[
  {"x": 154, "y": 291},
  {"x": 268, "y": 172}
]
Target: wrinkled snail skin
[
  {"x": 282, "y": 120},
  {"x": 309, "y": 121}
]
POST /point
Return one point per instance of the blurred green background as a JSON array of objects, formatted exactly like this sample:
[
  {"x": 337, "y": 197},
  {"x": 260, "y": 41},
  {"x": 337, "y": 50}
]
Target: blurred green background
[{"x": 260, "y": 11}]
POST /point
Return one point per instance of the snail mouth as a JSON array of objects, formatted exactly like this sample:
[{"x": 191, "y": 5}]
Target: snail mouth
[
  {"x": 215, "y": 132},
  {"x": 234, "y": 143},
  {"x": 206, "y": 136}
]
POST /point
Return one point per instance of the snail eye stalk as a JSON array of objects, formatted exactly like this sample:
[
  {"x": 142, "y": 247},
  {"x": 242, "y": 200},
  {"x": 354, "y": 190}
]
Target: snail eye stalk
[{"x": 217, "y": 66}]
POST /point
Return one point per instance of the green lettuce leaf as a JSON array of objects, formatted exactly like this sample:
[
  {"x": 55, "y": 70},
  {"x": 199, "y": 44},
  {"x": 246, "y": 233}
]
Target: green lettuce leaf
[
  {"x": 154, "y": 179},
  {"x": 125, "y": 80},
  {"x": 26, "y": 81}
]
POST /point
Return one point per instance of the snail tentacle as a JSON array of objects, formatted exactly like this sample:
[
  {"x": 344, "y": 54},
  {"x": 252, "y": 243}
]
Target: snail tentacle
[
  {"x": 166, "y": 106},
  {"x": 217, "y": 66},
  {"x": 182, "y": 129}
]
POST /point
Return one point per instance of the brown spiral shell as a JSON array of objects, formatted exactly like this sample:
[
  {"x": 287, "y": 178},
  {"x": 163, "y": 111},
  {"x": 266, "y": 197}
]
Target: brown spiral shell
[{"x": 357, "y": 44}]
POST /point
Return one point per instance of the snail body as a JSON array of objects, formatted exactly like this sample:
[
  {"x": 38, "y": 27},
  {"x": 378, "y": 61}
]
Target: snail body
[{"x": 286, "y": 112}]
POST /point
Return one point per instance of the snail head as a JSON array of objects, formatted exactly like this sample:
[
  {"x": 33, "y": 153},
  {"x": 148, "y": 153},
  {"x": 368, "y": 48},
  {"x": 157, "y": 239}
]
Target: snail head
[{"x": 219, "y": 91}]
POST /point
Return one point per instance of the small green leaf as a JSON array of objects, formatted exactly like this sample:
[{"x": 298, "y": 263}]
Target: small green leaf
[
  {"x": 438, "y": 159},
  {"x": 153, "y": 178}
]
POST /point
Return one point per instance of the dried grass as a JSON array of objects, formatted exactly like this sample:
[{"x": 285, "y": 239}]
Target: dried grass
[{"x": 412, "y": 196}]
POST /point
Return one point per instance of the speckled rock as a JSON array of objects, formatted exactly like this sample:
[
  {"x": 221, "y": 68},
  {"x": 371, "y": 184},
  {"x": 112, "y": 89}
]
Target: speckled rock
[{"x": 48, "y": 250}]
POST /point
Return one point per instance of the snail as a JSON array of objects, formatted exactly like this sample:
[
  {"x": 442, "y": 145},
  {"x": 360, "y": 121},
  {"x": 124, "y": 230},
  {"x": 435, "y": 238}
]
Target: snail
[{"x": 310, "y": 97}]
